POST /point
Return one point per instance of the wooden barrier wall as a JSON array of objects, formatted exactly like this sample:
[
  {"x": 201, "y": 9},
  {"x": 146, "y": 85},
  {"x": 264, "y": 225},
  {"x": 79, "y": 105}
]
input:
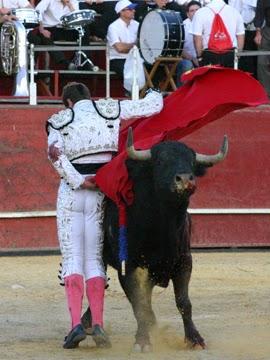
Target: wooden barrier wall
[{"x": 238, "y": 187}]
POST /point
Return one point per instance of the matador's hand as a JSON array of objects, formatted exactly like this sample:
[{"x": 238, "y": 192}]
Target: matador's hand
[
  {"x": 54, "y": 152},
  {"x": 89, "y": 183}
]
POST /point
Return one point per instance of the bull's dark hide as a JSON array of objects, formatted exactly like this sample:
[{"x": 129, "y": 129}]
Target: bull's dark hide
[
  {"x": 158, "y": 232},
  {"x": 158, "y": 224}
]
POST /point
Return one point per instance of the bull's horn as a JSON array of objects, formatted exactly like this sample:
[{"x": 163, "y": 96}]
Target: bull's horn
[
  {"x": 136, "y": 154},
  {"x": 209, "y": 160}
]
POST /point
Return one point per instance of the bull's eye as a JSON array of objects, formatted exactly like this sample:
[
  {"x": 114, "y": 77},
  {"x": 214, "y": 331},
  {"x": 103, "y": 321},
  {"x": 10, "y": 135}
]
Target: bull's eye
[{"x": 178, "y": 178}]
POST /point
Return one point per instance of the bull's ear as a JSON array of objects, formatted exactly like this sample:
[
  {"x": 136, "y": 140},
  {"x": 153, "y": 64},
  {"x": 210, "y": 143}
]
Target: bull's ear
[{"x": 200, "y": 170}]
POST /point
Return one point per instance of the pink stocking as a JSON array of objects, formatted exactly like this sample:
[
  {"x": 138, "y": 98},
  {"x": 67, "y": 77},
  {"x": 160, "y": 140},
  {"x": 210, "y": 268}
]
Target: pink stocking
[
  {"x": 95, "y": 294},
  {"x": 74, "y": 292}
]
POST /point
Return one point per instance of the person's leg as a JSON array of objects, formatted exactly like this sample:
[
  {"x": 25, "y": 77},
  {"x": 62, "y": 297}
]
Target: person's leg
[
  {"x": 74, "y": 287},
  {"x": 117, "y": 65},
  {"x": 93, "y": 264},
  {"x": 249, "y": 63},
  {"x": 183, "y": 66},
  {"x": 70, "y": 226},
  {"x": 58, "y": 57},
  {"x": 94, "y": 268},
  {"x": 263, "y": 65}
]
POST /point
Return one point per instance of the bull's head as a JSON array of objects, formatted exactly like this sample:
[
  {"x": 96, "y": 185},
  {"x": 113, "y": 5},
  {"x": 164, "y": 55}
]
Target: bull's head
[{"x": 175, "y": 165}]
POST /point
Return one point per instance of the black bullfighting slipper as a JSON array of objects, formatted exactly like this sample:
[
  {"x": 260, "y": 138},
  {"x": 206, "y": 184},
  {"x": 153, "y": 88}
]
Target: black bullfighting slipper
[
  {"x": 73, "y": 338},
  {"x": 100, "y": 337}
]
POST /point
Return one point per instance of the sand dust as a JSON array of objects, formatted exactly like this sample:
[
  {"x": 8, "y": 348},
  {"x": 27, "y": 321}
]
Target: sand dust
[{"x": 230, "y": 293}]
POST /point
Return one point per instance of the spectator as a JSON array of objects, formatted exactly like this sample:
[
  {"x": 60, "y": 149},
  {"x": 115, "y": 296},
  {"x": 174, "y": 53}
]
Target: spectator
[
  {"x": 262, "y": 39},
  {"x": 247, "y": 9},
  {"x": 189, "y": 57},
  {"x": 145, "y": 6},
  {"x": 8, "y": 5},
  {"x": 50, "y": 28},
  {"x": 122, "y": 35},
  {"x": 106, "y": 15},
  {"x": 201, "y": 29}
]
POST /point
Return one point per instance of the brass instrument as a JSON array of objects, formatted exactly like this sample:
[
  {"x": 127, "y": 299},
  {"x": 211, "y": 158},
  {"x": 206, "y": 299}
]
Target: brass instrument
[{"x": 13, "y": 50}]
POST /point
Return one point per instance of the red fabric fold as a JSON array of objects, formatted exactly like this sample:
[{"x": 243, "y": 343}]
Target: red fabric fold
[{"x": 208, "y": 94}]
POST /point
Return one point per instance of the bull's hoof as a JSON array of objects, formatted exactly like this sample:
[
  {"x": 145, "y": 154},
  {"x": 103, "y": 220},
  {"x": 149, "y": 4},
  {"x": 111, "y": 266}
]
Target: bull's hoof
[
  {"x": 195, "y": 342},
  {"x": 145, "y": 348}
]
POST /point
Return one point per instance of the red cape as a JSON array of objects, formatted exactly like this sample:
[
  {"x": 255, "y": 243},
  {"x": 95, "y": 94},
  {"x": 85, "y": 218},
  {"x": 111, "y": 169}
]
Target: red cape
[{"x": 208, "y": 94}]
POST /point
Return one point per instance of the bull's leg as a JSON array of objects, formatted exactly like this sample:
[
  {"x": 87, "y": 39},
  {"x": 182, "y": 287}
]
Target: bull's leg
[
  {"x": 180, "y": 282},
  {"x": 138, "y": 289},
  {"x": 86, "y": 321}
]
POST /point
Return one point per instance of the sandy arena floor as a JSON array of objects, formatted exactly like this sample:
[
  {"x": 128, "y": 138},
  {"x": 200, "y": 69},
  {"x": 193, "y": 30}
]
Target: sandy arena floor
[{"x": 230, "y": 293}]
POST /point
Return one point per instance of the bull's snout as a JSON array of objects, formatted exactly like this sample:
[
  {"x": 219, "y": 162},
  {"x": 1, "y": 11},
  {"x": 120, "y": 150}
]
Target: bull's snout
[{"x": 185, "y": 182}]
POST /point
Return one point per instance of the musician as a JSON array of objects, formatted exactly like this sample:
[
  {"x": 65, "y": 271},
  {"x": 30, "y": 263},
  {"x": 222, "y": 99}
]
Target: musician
[
  {"x": 51, "y": 29},
  {"x": 122, "y": 35},
  {"x": 147, "y": 5},
  {"x": 201, "y": 30},
  {"x": 106, "y": 15},
  {"x": 189, "y": 56},
  {"x": 247, "y": 9}
]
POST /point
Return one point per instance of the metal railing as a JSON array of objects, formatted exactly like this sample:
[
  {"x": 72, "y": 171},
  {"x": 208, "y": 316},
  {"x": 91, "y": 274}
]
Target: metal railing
[
  {"x": 33, "y": 72},
  {"x": 238, "y": 54},
  {"x": 33, "y": 49}
]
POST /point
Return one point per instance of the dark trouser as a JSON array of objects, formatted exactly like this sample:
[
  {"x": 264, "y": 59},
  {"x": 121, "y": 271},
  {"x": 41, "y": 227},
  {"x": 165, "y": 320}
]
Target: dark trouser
[
  {"x": 263, "y": 66},
  {"x": 117, "y": 65},
  {"x": 249, "y": 63},
  {"x": 36, "y": 38},
  {"x": 224, "y": 59}
]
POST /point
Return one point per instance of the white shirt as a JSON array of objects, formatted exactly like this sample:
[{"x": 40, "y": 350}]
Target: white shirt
[
  {"x": 203, "y": 19},
  {"x": 50, "y": 11},
  {"x": 119, "y": 31},
  {"x": 247, "y": 9},
  {"x": 189, "y": 44},
  {"x": 15, "y": 4}
]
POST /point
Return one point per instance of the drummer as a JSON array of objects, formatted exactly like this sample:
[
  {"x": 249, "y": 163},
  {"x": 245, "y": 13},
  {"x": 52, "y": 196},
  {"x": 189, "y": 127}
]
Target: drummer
[
  {"x": 51, "y": 29},
  {"x": 147, "y": 5},
  {"x": 106, "y": 15}
]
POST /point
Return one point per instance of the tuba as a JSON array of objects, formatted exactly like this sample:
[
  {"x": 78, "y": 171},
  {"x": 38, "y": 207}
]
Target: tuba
[{"x": 13, "y": 50}]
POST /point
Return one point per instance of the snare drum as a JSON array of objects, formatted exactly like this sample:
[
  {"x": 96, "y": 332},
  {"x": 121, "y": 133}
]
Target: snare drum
[
  {"x": 78, "y": 18},
  {"x": 161, "y": 33},
  {"x": 28, "y": 17}
]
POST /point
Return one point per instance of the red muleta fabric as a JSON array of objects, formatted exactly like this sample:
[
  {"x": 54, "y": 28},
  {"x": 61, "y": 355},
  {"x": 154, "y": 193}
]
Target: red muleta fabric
[{"x": 208, "y": 94}]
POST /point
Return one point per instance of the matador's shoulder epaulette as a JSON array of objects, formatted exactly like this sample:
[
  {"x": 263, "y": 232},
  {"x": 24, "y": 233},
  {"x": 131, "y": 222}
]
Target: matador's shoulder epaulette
[
  {"x": 108, "y": 108},
  {"x": 61, "y": 119}
]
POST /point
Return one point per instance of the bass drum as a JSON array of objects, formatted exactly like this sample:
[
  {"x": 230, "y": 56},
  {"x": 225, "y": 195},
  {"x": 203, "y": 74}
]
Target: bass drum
[
  {"x": 78, "y": 18},
  {"x": 161, "y": 33}
]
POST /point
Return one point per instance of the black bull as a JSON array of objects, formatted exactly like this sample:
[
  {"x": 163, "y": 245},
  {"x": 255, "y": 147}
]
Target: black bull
[{"x": 158, "y": 231}]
